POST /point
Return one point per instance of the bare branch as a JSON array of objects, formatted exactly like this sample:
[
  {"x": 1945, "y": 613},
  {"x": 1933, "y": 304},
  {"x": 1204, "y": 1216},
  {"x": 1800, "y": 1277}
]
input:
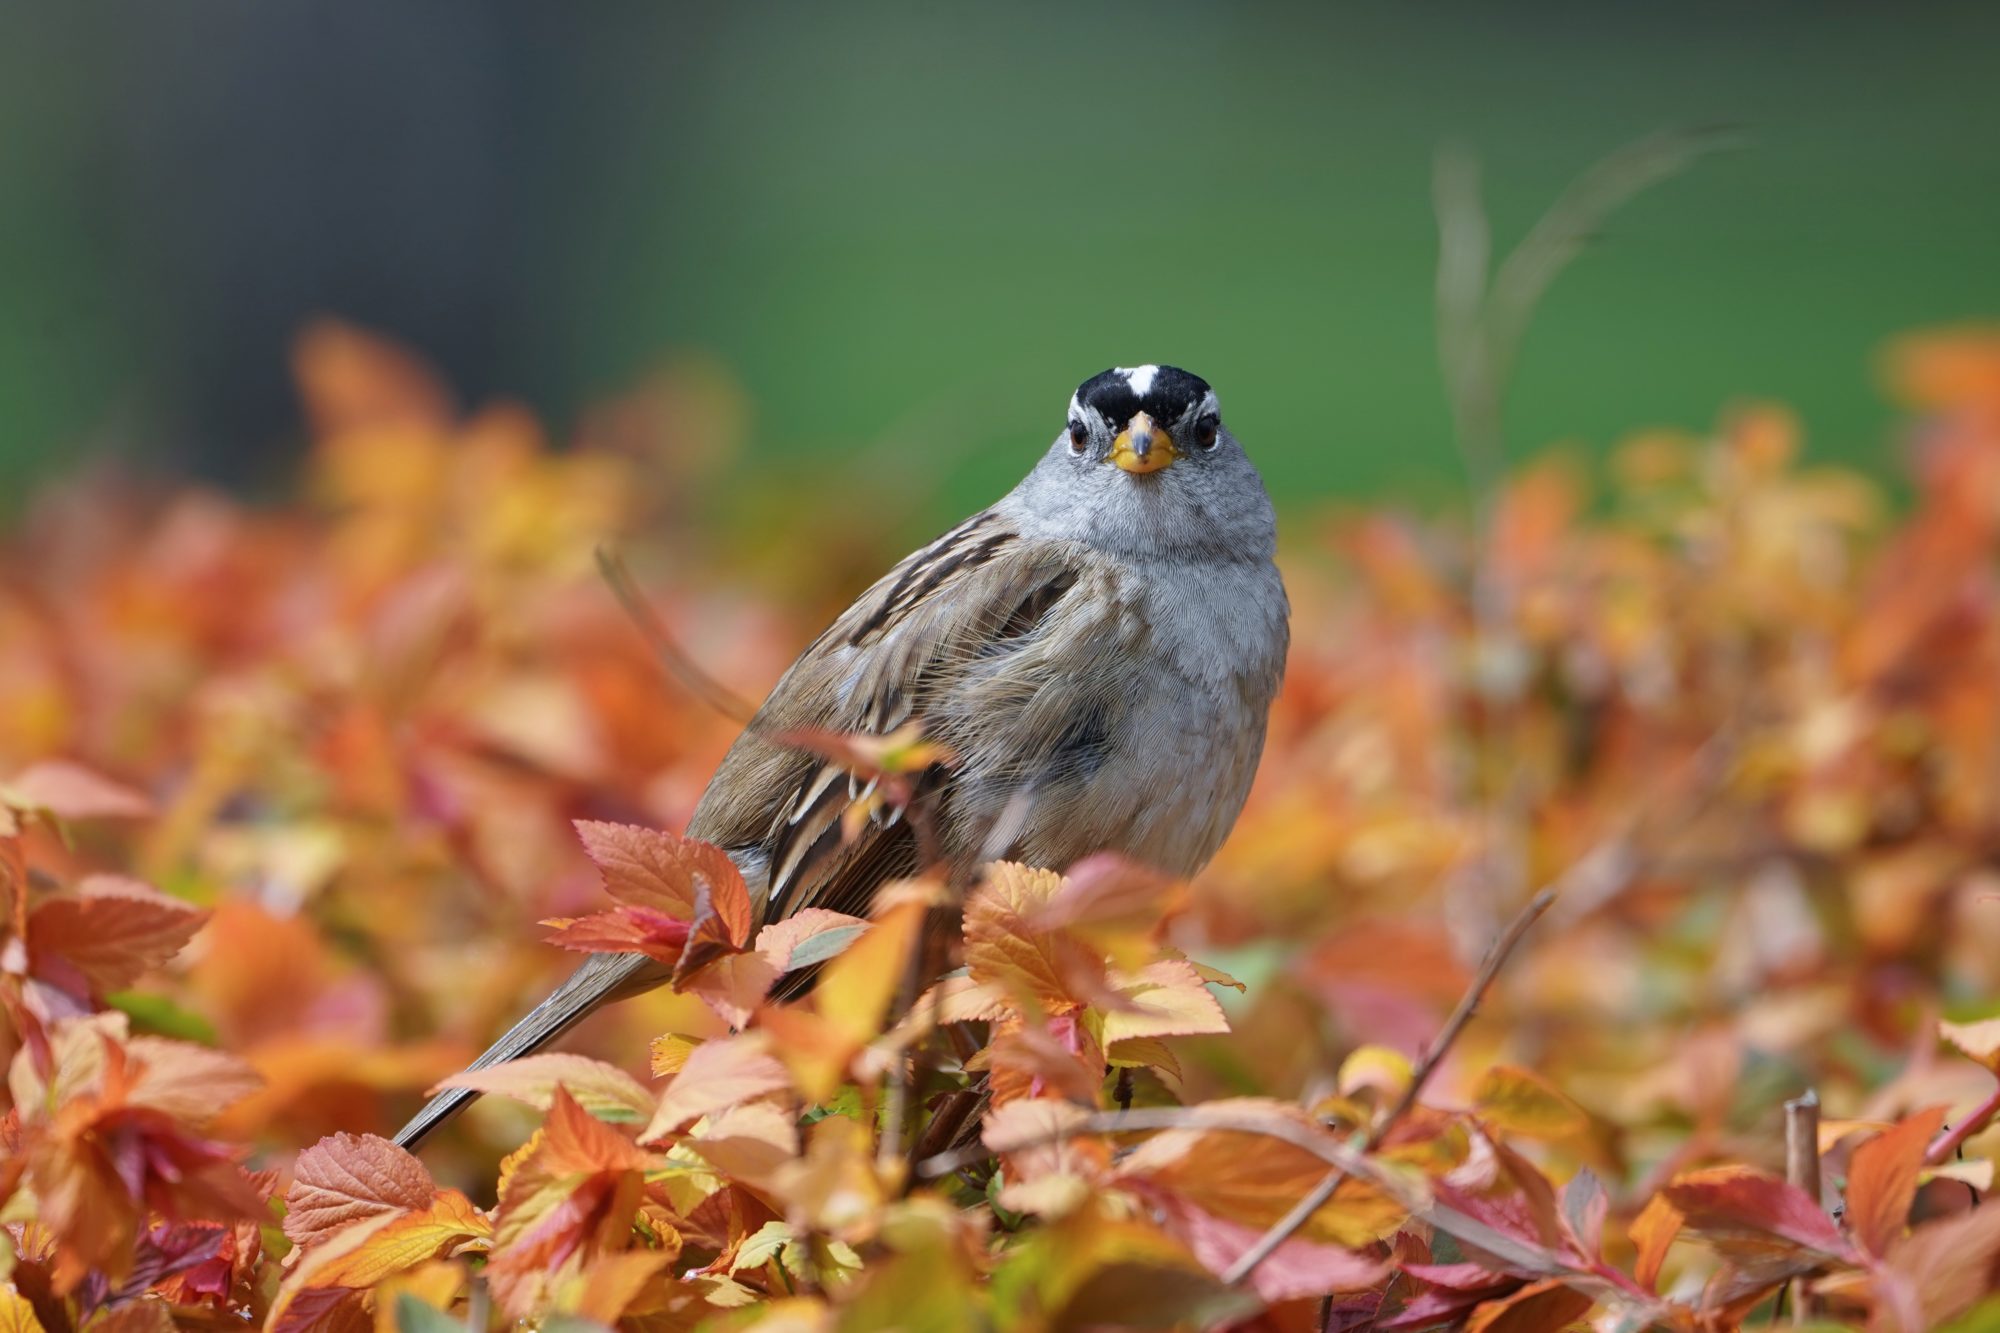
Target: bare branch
[
  {"x": 1282, "y": 1230},
  {"x": 672, "y": 657}
]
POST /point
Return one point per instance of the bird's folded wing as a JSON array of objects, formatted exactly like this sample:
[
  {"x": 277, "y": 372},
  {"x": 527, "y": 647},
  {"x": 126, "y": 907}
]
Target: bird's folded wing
[{"x": 964, "y": 597}]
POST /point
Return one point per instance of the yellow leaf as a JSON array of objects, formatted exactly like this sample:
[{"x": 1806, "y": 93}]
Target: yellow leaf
[
  {"x": 403, "y": 1243},
  {"x": 671, "y": 1052},
  {"x": 16, "y": 1315},
  {"x": 1520, "y": 1102},
  {"x": 1375, "y": 1067},
  {"x": 856, "y": 989},
  {"x": 1169, "y": 999}
]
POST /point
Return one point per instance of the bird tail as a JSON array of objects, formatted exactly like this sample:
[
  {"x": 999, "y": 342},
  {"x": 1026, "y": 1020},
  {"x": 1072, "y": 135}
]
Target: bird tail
[{"x": 601, "y": 978}]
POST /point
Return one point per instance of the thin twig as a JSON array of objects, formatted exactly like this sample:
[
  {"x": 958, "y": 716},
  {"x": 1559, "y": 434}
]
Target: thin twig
[
  {"x": 678, "y": 663},
  {"x": 1345, "y": 1158},
  {"x": 1802, "y": 1170},
  {"x": 1282, "y": 1230}
]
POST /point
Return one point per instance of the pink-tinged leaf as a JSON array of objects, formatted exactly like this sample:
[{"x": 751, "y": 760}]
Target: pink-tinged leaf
[
  {"x": 71, "y": 791},
  {"x": 811, "y": 936},
  {"x": 349, "y": 1178},
  {"x": 1737, "y": 1201},
  {"x": 1584, "y": 1205},
  {"x": 1882, "y": 1180},
  {"x": 733, "y": 986},
  {"x": 717, "y": 1075},
  {"x": 623, "y": 930},
  {"x": 1296, "y": 1269},
  {"x": 606, "y": 1091},
  {"x": 111, "y": 931},
  {"x": 655, "y": 869},
  {"x": 720, "y": 925},
  {"x": 1459, "y": 1277}
]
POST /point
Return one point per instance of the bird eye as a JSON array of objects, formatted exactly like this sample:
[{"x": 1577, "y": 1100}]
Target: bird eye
[
  {"x": 1079, "y": 435},
  {"x": 1205, "y": 431}
]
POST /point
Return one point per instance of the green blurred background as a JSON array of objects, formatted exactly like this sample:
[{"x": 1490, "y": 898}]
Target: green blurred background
[{"x": 923, "y": 224}]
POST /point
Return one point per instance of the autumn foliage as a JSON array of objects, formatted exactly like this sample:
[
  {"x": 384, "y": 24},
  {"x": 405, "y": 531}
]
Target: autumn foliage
[{"x": 302, "y": 801}]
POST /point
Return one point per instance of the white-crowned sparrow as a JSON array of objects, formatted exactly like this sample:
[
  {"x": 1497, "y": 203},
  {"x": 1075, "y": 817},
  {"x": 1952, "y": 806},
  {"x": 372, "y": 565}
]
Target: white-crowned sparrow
[{"x": 1098, "y": 651}]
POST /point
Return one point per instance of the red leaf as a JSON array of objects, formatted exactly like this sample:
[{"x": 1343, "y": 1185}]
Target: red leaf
[
  {"x": 623, "y": 930},
  {"x": 1735, "y": 1200},
  {"x": 1882, "y": 1181}
]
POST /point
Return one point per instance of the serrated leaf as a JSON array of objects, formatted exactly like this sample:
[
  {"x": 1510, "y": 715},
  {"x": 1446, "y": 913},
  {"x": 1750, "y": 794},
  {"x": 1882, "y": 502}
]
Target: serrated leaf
[
  {"x": 349, "y": 1178},
  {"x": 1166, "y": 999},
  {"x": 112, "y": 930}
]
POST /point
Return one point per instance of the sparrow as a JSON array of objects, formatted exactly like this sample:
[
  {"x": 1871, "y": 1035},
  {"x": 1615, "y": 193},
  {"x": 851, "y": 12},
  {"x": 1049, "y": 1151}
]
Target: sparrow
[{"x": 1097, "y": 651}]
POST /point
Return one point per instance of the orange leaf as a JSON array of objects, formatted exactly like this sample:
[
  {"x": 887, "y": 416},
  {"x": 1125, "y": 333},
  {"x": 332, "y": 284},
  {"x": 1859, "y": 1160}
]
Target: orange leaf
[
  {"x": 1652, "y": 1231},
  {"x": 193, "y": 1084},
  {"x": 402, "y": 1241},
  {"x": 1255, "y": 1179},
  {"x": 349, "y": 1178},
  {"x": 715, "y": 1076},
  {"x": 573, "y": 1195},
  {"x": 110, "y": 930},
  {"x": 1882, "y": 1180},
  {"x": 1541, "y": 1307},
  {"x": 605, "y": 1091},
  {"x": 1001, "y": 947},
  {"x": 720, "y": 924}
]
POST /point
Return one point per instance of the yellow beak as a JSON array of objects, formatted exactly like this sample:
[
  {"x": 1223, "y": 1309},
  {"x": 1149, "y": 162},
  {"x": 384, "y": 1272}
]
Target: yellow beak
[{"x": 1143, "y": 446}]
